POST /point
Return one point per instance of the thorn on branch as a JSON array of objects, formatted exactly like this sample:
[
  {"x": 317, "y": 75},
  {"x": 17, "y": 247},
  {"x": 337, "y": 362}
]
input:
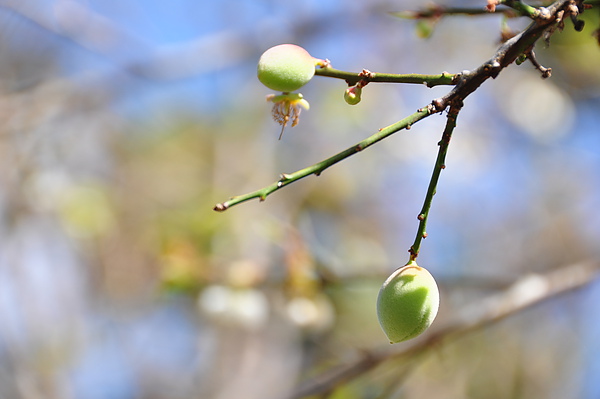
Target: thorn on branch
[
  {"x": 283, "y": 178},
  {"x": 559, "y": 24},
  {"x": 573, "y": 11},
  {"x": 578, "y": 24},
  {"x": 546, "y": 72}
]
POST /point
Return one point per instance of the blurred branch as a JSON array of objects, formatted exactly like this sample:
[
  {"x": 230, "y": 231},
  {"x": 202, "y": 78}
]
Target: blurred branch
[
  {"x": 522, "y": 294},
  {"x": 79, "y": 25},
  {"x": 99, "y": 35},
  {"x": 89, "y": 30}
]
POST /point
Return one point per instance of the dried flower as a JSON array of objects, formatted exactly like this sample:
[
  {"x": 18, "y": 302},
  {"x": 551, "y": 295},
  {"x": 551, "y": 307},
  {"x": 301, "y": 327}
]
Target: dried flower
[{"x": 286, "y": 108}]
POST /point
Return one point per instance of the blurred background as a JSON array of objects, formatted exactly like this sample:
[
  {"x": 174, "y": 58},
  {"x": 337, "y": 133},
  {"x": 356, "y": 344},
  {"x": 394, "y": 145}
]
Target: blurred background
[{"x": 122, "y": 123}]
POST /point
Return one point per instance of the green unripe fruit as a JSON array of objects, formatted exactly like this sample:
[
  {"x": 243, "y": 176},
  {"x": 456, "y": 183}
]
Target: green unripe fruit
[
  {"x": 352, "y": 95},
  {"x": 407, "y": 303},
  {"x": 286, "y": 67}
]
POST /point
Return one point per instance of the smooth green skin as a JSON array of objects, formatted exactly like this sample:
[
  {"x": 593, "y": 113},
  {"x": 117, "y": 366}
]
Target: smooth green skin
[
  {"x": 408, "y": 302},
  {"x": 285, "y": 67},
  {"x": 352, "y": 95}
]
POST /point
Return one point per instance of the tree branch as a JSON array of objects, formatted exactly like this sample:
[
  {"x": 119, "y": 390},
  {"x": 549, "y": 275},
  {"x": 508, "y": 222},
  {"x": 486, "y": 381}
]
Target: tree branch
[
  {"x": 353, "y": 78},
  {"x": 466, "y": 83},
  {"x": 319, "y": 167},
  {"x": 521, "y": 8}
]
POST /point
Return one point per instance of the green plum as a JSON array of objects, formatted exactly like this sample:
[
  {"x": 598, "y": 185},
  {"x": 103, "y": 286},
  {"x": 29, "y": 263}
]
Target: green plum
[
  {"x": 286, "y": 67},
  {"x": 408, "y": 302}
]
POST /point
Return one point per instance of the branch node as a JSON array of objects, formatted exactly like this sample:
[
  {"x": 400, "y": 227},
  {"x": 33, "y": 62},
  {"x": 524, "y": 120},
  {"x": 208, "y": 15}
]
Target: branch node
[
  {"x": 573, "y": 10},
  {"x": 366, "y": 74},
  {"x": 493, "y": 67},
  {"x": 544, "y": 14},
  {"x": 546, "y": 72},
  {"x": 459, "y": 78},
  {"x": 323, "y": 64},
  {"x": 438, "y": 105},
  {"x": 220, "y": 207}
]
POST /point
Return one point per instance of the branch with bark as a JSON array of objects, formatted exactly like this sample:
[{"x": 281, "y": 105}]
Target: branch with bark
[{"x": 546, "y": 21}]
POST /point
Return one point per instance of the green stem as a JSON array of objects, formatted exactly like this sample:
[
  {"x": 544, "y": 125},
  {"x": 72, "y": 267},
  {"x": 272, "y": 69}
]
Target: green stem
[
  {"x": 522, "y": 8},
  {"x": 352, "y": 78},
  {"x": 439, "y": 165},
  {"x": 319, "y": 167}
]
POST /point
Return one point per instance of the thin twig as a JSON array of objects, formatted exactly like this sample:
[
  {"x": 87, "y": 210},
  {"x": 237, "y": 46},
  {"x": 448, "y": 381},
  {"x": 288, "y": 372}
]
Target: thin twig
[
  {"x": 437, "y": 11},
  {"x": 521, "y": 8},
  {"x": 288, "y": 178},
  {"x": 440, "y": 163},
  {"x": 352, "y": 78}
]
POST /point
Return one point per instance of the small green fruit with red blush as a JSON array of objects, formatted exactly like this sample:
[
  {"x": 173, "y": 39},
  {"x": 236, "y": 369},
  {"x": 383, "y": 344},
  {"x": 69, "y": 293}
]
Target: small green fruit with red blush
[
  {"x": 286, "y": 67},
  {"x": 352, "y": 94},
  {"x": 408, "y": 302}
]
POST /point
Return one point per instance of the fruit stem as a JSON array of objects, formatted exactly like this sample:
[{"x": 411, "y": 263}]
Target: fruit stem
[{"x": 431, "y": 190}]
